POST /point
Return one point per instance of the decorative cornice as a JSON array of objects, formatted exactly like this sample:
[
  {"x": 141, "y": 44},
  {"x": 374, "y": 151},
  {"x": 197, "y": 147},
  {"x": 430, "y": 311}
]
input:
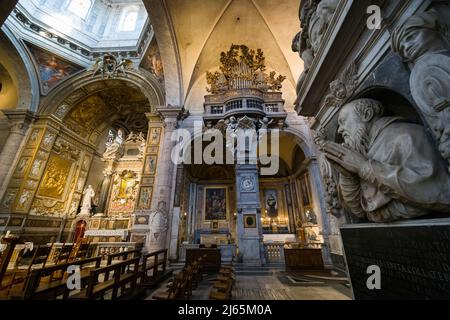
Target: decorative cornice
[{"x": 135, "y": 52}]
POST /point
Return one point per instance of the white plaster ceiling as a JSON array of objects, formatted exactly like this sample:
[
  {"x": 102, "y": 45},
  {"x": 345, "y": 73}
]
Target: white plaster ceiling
[{"x": 202, "y": 29}]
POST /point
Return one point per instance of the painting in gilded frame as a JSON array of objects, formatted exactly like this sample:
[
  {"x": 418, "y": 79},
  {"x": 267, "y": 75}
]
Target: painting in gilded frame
[
  {"x": 56, "y": 178},
  {"x": 155, "y": 136},
  {"x": 215, "y": 204},
  {"x": 145, "y": 199},
  {"x": 150, "y": 164},
  {"x": 305, "y": 190}
]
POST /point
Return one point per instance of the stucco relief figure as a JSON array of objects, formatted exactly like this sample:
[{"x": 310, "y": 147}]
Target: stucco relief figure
[
  {"x": 114, "y": 149},
  {"x": 159, "y": 225},
  {"x": 86, "y": 204},
  {"x": 424, "y": 42},
  {"x": 389, "y": 169}
]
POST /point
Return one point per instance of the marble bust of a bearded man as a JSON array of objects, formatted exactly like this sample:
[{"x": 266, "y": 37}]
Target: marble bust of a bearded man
[{"x": 389, "y": 168}]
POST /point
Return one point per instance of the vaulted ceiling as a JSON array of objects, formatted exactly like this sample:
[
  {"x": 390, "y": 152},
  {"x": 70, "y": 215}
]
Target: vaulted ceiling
[{"x": 192, "y": 34}]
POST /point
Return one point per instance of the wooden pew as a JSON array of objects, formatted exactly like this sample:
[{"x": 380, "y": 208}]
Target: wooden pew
[
  {"x": 222, "y": 291},
  {"x": 174, "y": 291},
  {"x": 223, "y": 286},
  {"x": 183, "y": 283},
  {"x": 64, "y": 254},
  {"x": 6, "y": 256},
  {"x": 154, "y": 269},
  {"x": 27, "y": 261},
  {"x": 47, "y": 283},
  {"x": 101, "y": 281},
  {"x": 122, "y": 256}
]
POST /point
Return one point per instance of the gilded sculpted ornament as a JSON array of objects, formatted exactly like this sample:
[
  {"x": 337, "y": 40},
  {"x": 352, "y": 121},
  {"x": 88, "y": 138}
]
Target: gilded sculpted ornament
[
  {"x": 110, "y": 67},
  {"x": 55, "y": 178},
  {"x": 243, "y": 68}
]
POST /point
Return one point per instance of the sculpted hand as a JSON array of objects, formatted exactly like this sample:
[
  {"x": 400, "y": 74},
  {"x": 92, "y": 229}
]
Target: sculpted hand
[{"x": 349, "y": 160}]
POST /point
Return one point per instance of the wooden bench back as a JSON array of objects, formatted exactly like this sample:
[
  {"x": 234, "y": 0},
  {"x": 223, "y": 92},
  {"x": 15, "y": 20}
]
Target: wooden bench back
[
  {"x": 6, "y": 255},
  {"x": 125, "y": 255},
  {"x": 34, "y": 279},
  {"x": 64, "y": 253},
  {"x": 117, "y": 269}
]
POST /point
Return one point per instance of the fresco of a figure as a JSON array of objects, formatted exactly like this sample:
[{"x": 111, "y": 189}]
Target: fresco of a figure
[{"x": 52, "y": 69}]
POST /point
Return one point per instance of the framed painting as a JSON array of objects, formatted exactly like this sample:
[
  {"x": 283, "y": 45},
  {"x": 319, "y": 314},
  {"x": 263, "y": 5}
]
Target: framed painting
[
  {"x": 155, "y": 136},
  {"x": 150, "y": 164},
  {"x": 56, "y": 178},
  {"x": 271, "y": 203},
  {"x": 305, "y": 190},
  {"x": 215, "y": 204},
  {"x": 250, "y": 221},
  {"x": 145, "y": 200}
]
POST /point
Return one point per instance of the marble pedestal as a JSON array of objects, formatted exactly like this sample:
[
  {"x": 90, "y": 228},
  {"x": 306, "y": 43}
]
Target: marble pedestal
[
  {"x": 413, "y": 257},
  {"x": 249, "y": 228}
]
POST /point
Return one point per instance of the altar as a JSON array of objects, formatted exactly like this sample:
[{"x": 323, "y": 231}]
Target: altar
[{"x": 228, "y": 251}]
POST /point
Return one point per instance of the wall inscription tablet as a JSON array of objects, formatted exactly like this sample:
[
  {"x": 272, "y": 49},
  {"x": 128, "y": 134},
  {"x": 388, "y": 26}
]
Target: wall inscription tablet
[{"x": 414, "y": 259}]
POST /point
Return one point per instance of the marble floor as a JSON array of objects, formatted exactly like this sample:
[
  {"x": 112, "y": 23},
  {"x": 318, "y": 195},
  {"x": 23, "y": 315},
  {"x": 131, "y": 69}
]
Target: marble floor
[{"x": 279, "y": 285}]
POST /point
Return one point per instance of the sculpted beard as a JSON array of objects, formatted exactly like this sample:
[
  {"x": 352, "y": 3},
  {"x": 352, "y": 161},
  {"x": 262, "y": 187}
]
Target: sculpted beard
[{"x": 359, "y": 142}]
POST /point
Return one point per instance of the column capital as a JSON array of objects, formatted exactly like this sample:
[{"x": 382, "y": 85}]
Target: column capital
[
  {"x": 154, "y": 117},
  {"x": 170, "y": 111},
  {"x": 171, "y": 115},
  {"x": 19, "y": 120}
]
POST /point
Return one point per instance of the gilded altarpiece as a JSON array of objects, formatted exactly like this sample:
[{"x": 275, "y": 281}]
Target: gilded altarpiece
[
  {"x": 124, "y": 192},
  {"x": 50, "y": 174},
  {"x": 63, "y": 180},
  {"x": 29, "y": 169}
]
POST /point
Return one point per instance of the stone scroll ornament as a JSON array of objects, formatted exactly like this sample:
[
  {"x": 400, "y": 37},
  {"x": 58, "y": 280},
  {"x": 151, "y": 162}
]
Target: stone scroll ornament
[
  {"x": 424, "y": 43},
  {"x": 380, "y": 181},
  {"x": 331, "y": 190}
]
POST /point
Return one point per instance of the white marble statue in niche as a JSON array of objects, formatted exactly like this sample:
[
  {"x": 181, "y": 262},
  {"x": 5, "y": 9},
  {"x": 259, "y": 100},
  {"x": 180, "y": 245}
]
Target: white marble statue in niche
[
  {"x": 86, "y": 204},
  {"x": 424, "y": 42},
  {"x": 380, "y": 181}
]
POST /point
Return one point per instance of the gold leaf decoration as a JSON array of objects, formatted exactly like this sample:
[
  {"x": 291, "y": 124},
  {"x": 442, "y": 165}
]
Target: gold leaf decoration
[{"x": 243, "y": 68}]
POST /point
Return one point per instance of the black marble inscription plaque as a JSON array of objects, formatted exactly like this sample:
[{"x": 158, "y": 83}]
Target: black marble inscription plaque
[{"x": 414, "y": 259}]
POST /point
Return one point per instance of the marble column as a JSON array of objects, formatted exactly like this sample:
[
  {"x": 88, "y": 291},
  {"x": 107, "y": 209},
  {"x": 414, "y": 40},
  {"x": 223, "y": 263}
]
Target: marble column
[
  {"x": 162, "y": 208},
  {"x": 19, "y": 124},
  {"x": 177, "y": 216}
]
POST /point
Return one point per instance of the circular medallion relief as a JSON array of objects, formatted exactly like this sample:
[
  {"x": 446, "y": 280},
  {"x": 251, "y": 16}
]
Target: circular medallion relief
[{"x": 247, "y": 184}]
